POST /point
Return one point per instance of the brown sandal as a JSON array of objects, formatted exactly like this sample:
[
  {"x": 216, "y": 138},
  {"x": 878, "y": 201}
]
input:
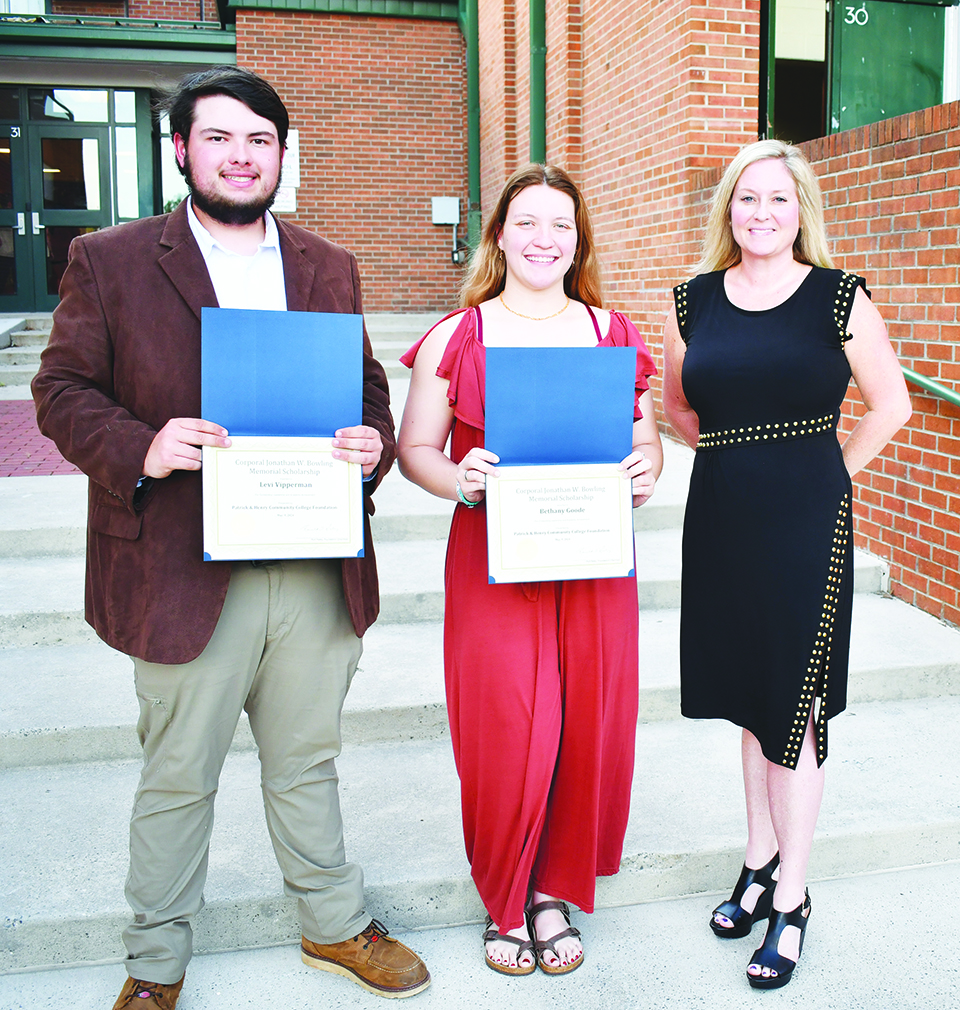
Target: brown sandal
[
  {"x": 540, "y": 946},
  {"x": 523, "y": 947}
]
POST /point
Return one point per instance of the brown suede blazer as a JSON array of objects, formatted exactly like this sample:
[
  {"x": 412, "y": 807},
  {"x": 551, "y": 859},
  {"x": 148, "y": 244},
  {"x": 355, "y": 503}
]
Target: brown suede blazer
[{"x": 123, "y": 359}]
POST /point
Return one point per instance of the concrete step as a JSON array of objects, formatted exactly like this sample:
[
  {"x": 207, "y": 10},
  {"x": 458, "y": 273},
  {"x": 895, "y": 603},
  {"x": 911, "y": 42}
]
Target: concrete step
[
  {"x": 390, "y": 341},
  {"x": 62, "y": 704},
  {"x": 392, "y": 336},
  {"x": 32, "y": 337},
  {"x": 19, "y": 355},
  {"x": 42, "y": 542},
  {"x": 892, "y": 801},
  {"x": 399, "y": 326},
  {"x": 43, "y": 516},
  {"x": 15, "y": 392},
  {"x": 31, "y": 321},
  {"x": 9, "y": 324},
  {"x": 17, "y": 375},
  {"x": 46, "y": 516},
  {"x": 394, "y": 345},
  {"x": 41, "y": 598},
  {"x": 407, "y": 512},
  {"x": 612, "y": 978},
  {"x": 897, "y": 652},
  {"x": 390, "y": 333}
]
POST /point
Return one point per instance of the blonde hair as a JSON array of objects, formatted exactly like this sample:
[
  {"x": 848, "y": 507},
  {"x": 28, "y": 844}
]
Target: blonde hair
[
  {"x": 720, "y": 249},
  {"x": 487, "y": 273}
]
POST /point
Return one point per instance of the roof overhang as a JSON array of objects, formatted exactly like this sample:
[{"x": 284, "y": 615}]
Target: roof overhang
[
  {"x": 439, "y": 10},
  {"x": 123, "y": 52}
]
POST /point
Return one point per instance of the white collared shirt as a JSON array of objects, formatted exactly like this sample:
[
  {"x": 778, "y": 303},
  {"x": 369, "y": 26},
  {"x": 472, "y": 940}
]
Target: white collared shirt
[{"x": 243, "y": 282}]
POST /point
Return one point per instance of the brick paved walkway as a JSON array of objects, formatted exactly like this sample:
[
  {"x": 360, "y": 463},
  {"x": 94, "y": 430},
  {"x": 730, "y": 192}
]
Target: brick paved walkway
[{"x": 24, "y": 452}]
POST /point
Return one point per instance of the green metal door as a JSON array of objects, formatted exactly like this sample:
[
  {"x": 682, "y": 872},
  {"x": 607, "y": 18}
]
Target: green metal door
[
  {"x": 887, "y": 60},
  {"x": 16, "y": 267}
]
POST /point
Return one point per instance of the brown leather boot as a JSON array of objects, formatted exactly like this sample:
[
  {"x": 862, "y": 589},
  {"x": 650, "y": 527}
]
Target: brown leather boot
[
  {"x": 373, "y": 960},
  {"x": 148, "y": 995}
]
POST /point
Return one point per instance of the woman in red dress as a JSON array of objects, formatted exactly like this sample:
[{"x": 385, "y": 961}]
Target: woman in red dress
[{"x": 541, "y": 678}]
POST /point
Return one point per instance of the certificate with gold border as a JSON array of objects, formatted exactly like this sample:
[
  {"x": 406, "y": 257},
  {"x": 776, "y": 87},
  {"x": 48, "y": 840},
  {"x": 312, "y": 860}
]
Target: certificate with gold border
[
  {"x": 277, "y": 497},
  {"x": 556, "y": 522}
]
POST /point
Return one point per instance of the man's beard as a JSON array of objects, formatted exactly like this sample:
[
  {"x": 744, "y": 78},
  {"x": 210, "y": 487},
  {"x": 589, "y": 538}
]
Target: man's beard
[{"x": 223, "y": 210}]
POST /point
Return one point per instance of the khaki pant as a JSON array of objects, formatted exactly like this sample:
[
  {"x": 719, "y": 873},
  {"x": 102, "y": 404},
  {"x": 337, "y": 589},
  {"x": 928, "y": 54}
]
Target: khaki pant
[{"x": 285, "y": 651}]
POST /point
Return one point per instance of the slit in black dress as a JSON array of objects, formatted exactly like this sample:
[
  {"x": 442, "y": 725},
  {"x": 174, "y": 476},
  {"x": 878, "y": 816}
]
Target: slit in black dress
[{"x": 813, "y": 693}]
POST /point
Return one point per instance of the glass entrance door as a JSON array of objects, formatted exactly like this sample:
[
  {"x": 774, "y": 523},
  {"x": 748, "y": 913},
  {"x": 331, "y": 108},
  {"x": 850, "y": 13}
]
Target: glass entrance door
[
  {"x": 16, "y": 271},
  {"x": 69, "y": 170},
  {"x": 72, "y": 160}
]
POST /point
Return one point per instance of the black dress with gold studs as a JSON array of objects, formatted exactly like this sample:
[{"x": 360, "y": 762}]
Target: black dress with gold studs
[{"x": 767, "y": 537}]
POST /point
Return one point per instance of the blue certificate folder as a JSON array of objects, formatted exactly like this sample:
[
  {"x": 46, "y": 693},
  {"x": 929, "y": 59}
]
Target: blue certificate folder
[
  {"x": 281, "y": 373},
  {"x": 560, "y": 404}
]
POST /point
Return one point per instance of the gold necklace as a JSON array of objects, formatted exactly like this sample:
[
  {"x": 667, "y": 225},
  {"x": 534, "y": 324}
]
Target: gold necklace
[{"x": 536, "y": 319}]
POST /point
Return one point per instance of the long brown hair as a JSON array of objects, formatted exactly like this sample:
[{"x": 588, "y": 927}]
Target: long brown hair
[
  {"x": 720, "y": 249},
  {"x": 487, "y": 273}
]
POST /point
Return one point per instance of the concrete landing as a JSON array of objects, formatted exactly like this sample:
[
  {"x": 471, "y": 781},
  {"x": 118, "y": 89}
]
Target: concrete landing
[
  {"x": 858, "y": 955},
  {"x": 889, "y": 805}
]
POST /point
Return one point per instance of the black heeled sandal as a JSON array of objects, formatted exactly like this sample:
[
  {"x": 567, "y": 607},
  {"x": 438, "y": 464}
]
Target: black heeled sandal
[
  {"x": 767, "y": 955},
  {"x": 742, "y": 919}
]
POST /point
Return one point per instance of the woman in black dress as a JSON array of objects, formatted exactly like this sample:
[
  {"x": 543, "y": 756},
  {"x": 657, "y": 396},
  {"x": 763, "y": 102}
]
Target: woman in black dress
[{"x": 759, "y": 350}]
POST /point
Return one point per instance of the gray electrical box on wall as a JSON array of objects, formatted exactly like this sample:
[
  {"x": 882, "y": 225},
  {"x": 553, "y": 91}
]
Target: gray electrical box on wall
[{"x": 446, "y": 209}]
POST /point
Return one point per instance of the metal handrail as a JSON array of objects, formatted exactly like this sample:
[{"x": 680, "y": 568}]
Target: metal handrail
[{"x": 931, "y": 386}]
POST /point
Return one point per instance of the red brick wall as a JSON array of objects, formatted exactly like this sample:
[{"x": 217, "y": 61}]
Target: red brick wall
[
  {"x": 640, "y": 98},
  {"x": 174, "y": 10},
  {"x": 381, "y": 108},
  {"x": 498, "y": 97},
  {"x": 892, "y": 196},
  {"x": 892, "y": 208},
  {"x": 160, "y": 10},
  {"x": 565, "y": 85},
  {"x": 522, "y": 9},
  {"x": 646, "y": 103},
  {"x": 105, "y": 8},
  {"x": 669, "y": 87}
]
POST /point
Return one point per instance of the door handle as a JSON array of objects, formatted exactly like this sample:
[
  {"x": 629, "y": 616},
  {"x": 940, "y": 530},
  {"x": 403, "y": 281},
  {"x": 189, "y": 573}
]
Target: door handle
[
  {"x": 21, "y": 224},
  {"x": 37, "y": 227}
]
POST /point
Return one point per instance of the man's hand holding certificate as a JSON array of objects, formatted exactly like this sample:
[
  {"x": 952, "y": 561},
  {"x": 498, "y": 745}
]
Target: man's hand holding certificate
[
  {"x": 283, "y": 384},
  {"x": 559, "y": 507}
]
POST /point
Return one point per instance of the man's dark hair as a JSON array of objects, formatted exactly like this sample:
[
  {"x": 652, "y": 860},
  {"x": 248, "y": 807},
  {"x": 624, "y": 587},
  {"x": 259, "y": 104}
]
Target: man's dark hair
[{"x": 180, "y": 101}]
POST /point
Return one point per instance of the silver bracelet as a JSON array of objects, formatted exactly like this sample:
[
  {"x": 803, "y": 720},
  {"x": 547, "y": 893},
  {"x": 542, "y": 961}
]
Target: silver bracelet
[{"x": 464, "y": 500}]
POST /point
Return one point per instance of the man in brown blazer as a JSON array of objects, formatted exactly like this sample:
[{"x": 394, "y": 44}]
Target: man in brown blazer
[{"x": 119, "y": 392}]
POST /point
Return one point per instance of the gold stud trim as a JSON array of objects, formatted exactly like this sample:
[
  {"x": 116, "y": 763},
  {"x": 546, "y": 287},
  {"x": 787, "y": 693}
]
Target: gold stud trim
[
  {"x": 841, "y": 305},
  {"x": 775, "y": 431},
  {"x": 680, "y": 293},
  {"x": 818, "y": 666}
]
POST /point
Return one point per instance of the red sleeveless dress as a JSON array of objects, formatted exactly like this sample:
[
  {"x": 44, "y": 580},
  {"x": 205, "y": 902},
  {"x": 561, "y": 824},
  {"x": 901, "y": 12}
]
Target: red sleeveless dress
[{"x": 542, "y": 688}]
